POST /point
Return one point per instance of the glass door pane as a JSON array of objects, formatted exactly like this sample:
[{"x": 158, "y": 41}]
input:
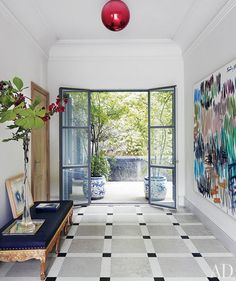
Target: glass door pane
[
  {"x": 162, "y": 154},
  {"x": 75, "y": 147}
]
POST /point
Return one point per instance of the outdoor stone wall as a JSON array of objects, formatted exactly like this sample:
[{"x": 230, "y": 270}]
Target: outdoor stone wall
[{"x": 128, "y": 168}]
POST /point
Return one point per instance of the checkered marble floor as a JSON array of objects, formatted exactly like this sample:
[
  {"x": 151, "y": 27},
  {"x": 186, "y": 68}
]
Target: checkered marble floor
[{"x": 131, "y": 243}]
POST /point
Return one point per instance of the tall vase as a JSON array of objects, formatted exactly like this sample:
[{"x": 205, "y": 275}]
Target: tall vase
[{"x": 26, "y": 223}]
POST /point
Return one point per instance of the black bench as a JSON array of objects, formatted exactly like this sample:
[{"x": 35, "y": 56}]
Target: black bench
[{"x": 25, "y": 247}]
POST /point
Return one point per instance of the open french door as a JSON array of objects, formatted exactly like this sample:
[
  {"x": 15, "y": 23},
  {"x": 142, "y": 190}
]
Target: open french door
[
  {"x": 162, "y": 147},
  {"x": 75, "y": 147}
]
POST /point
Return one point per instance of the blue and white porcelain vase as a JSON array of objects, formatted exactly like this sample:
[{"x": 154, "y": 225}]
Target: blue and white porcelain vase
[
  {"x": 158, "y": 188},
  {"x": 97, "y": 187}
]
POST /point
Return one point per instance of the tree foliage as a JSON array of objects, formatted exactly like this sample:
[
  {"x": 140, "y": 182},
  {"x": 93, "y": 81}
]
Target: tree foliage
[
  {"x": 119, "y": 123},
  {"x": 106, "y": 110}
]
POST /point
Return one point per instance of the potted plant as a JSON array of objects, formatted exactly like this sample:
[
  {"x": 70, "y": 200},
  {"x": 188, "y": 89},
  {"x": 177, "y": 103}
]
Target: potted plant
[
  {"x": 158, "y": 187},
  {"x": 101, "y": 113},
  {"x": 100, "y": 170}
]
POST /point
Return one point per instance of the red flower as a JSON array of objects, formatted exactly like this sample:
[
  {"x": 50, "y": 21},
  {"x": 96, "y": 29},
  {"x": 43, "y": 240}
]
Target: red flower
[
  {"x": 60, "y": 108},
  {"x": 51, "y": 107},
  {"x": 58, "y": 100},
  {"x": 46, "y": 117},
  {"x": 19, "y": 99}
]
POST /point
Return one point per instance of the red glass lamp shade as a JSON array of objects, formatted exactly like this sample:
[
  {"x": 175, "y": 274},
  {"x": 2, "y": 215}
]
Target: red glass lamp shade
[{"x": 115, "y": 15}]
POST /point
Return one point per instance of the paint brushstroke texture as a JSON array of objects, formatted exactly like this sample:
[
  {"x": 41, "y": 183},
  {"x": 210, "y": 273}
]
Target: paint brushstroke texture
[{"x": 215, "y": 138}]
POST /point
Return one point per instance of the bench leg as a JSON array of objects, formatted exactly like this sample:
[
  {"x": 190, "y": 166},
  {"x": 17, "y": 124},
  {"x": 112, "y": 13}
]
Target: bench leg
[
  {"x": 66, "y": 229},
  {"x": 70, "y": 219},
  {"x": 43, "y": 267},
  {"x": 68, "y": 223},
  {"x": 58, "y": 245}
]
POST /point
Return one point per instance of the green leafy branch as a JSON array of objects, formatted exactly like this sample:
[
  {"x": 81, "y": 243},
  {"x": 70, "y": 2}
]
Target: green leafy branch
[{"x": 23, "y": 113}]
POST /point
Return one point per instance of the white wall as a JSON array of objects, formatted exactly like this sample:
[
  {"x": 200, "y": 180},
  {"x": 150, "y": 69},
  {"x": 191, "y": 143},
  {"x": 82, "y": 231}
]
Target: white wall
[
  {"x": 19, "y": 56},
  {"x": 116, "y": 65},
  {"x": 215, "y": 50}
]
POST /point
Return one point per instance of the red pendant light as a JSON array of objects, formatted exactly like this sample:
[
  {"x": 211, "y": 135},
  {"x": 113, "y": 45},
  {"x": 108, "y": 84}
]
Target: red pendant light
[{"x": 115, "y": 15}]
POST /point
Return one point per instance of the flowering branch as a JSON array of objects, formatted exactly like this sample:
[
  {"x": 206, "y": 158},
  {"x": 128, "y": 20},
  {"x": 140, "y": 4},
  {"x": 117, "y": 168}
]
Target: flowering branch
[{"x": 24, "y": 113}]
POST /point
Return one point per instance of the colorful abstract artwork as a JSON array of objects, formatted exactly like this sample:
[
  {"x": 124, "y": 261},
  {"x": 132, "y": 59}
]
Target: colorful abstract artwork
[{"x": 215, "y": 138}]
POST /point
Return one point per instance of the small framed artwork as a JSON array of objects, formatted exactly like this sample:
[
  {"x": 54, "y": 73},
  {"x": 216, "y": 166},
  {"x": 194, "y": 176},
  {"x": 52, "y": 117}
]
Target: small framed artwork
[{"x": 14, "y": 186}]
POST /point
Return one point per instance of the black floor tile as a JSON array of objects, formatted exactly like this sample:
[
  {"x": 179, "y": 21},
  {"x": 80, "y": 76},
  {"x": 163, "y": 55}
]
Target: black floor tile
[
  {"x": 196, "y": 255},
  {"x": 152, "y": 255},
  {"x": 106, "y": 255},
  {"x": 61, "y": 254},
  {"x": 184, "y": 237}
]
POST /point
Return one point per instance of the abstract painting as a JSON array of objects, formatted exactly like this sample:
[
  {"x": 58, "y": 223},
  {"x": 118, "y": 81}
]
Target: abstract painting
[{"x": 215, "y": 138}]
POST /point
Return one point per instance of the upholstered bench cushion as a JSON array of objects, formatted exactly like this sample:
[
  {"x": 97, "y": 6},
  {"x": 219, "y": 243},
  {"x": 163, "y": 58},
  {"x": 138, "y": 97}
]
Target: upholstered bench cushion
[{"x": 43, "y": 236}]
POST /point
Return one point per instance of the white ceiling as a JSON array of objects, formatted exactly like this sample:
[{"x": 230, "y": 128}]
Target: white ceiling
[{"x": 51, "y": 20}]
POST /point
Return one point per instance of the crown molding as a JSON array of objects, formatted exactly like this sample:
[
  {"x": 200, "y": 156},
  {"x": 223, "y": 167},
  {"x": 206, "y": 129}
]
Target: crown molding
[
  {"x": 231, "y": 4},
  {"x": 10, "y": 16},
  {"x": 113, "y": 42},
  {"x": 188, "y": 14},
  {"x": 112, "y": 49},
  {"x": 112, "y": 58}
]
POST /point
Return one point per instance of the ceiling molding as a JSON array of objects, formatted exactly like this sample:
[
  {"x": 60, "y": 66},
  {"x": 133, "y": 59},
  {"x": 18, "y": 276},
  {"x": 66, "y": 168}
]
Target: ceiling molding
[
  {"x": 182, "y": 25},
  {"x": 10, "y": 16},
  {"x": 113, "y": 42},
  {"x": 112, "y": 49},
  {"x": 210, "y": 27},
  {"x": 44, "y": 20},
  {"x": 112, "y": 58}
]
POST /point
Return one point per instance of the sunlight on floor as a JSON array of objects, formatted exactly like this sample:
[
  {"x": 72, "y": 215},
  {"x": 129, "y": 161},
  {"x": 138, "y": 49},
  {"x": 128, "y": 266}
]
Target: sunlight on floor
[{"x": 128, "y": 192}]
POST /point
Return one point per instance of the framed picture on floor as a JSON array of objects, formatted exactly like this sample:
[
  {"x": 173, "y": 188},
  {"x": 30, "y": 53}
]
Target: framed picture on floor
[{"x": 14, "y": 186}]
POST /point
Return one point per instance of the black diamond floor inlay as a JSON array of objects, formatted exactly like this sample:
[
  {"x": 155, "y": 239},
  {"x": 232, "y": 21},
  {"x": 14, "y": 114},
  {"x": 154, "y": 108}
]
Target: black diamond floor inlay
[
  {"x": 152, "y": 255},
  {"x": 108, "y": 237},
  {"x": 61, "y": 255},
  {"x": 51, "y": 279},
  {"x": 184, "y": 237},
  {"x": 196, "y": 255},
  {"x": 106, "y": 255},
  {"x": 146, "y": 237}
]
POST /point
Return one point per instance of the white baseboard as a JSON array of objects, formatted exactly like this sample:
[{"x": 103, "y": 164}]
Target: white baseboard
[
  {"x": 216, "y": 231},
  {"x": 181, "y": 201}
]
